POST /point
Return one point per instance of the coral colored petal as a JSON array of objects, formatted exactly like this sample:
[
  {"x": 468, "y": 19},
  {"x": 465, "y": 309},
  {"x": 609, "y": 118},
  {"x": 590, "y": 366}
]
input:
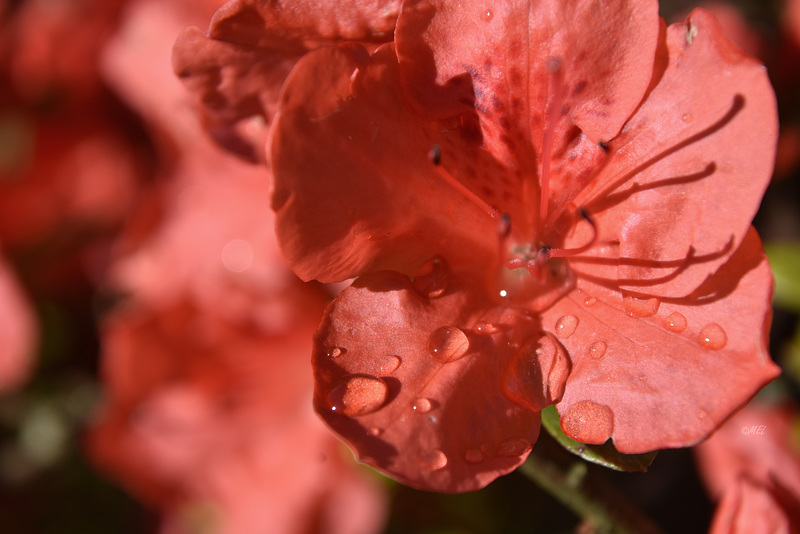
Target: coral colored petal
[
  {"x": 355, "y": 188},
  {"x": 749, "y": 507},
  {"x": 658, "y": 374},
  {"x": 688, "y": 171},
  {"x": 18, "y": 332},
  {"x": 415, "y": 384}
]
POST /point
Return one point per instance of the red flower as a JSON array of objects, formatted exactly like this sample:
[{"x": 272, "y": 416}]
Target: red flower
[
  {"x": 751, "y": 465},
  {"x": 622, "y": 281}
]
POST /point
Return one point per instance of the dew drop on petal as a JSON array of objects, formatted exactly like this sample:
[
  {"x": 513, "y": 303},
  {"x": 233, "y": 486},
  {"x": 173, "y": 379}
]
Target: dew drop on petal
[
  {"x": 514, "y": 447},
  {"x": 432, "y": 459},
  {"x": 636, "y": 307},
  {"x": 566, "y": 326},
  {"x": 701, "y": 414},
  {"x": 485, "y": 328},
  {"x": 422, "y": 405},
  {"x": 713, "y": 337},
  {"x": 448, "y": 344},
  {"x": 358, "y": 395},
  {"x": 597, "y": 349},
  {"x": 687, "y": 117},
  {"x": 473, "y": 456},
  {"x": 588, "y": 422},
  {"x": 487, "y": 15},
  {"x": 589, "y": 301},
  {"x": 389, "y": 364},
  {"x": 374, "y": 431},
  {"x": 335, "y": 352},
  {"x": 676, "y": 322},
  {"x": 432, "y": 279}
]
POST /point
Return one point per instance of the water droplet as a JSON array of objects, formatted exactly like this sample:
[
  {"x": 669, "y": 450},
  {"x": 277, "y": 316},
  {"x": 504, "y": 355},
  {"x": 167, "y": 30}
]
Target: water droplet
[
  {"x": 335, "y": 352},
  {"x": 432, "y": 459},
  {"x": 514, "y": 447},
  {"x": 588, "y": 422},
  {"x": 374, "y": 431},
  {"x": 473, "y": 456},
  {"x": 422, "y": 405},
  {"x": 713, "y": 337},
  {"x": 487, "y": 15},
  {"x": 389, "y": 364},
  {"x": 676, "y": 322},
  {"x": 432, "y": 279},
  {"x": 637, "y": 307},
  {"x": 448, "y": 344},
  {"x": 589, "y": 301},
  {"x": 566, "y": 326},
  {"x": 701, "y": 414},
  {"x": 358, "y": 395},
  {"x": 485, "y": 328},
  {"x": 597, "y": 349},
  {"x": 687, "y": 117}
]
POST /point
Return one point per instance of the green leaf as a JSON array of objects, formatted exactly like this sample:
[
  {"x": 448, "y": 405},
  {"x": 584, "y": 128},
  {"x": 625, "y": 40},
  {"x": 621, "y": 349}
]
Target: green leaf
[
  {"x": 605, "y": 454},
  {"x": 784, "y": 258}
]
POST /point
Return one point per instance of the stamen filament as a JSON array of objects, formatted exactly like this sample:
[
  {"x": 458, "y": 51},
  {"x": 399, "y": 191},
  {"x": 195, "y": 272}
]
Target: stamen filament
[
  {"x": 571, "y": 252},
  {"x": 553, "y": 113},
  {"x": 436, "y": 158}
]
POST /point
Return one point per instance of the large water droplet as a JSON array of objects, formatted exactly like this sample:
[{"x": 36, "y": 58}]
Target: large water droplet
[
  {"x": 432, "y": 459},
  {"x": 485, "y": 329},
  {"x": 588, "y": 422},
  {"x": 713, "y": 337},
  {"x": 566, "y": 326},
  {"x": 473, "y": 456},
  {"x": 448, "y": 344},
  {"x": 388, "y": 364},
  {"x": 637, "y": 307},
  {"x": 422, "y": 405},
  {"x": 597, "y": 349},
  {"x": 358, "y": 395},
  {"x": 676, "y": 322},
  {"x": 432, "y": 279},
  {"x": 514, "y": 447}
]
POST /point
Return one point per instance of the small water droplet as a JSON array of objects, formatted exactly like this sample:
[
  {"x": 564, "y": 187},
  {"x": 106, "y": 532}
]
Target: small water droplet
[
  {"x": 422, "y": 405},
  {"x": 514, "y": 447},
  {"x": 597, "y": 349},
  {"x": 589, "y": 301},
  {"x": 358, "y": 395},
  {"x": 637, "y": 307},
  {"x": 687, "y": 117},
  {"x": 432, "y": 459},
  {"x": 374, "y": 431},
  {"x": 432, "y": 279},
  {"x": 389, "y": 364},
  {"x": 487, "y": 15},
  {"x": 566, "y": 326},
  {"x": 701, "y": 414},
  {"x": 335, "y": 352},
  {"x": 448, "y": 344},
  {"x": 473, "y": 456},
  {"x": 485, "y": 328},
  {"x": 713, "y": 337},
  {"x": 676, "y": 322}
]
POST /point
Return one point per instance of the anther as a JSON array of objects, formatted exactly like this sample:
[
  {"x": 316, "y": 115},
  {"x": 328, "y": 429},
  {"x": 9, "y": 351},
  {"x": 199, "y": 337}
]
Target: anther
[
  {"x": 435, "y": 154},
  {"x": 604, "y": 146}
]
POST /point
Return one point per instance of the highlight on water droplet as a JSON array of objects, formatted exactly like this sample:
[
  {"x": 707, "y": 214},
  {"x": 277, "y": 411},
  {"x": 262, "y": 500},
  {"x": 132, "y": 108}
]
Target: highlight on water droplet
[
  {"x": 485, "y": 329},
  {"x": 432, "y": 279},
  {"x": 422, "y": 405},
  {"x": 566, "y": 326},
  {"x": 356, "y": 395},
  {"x": 638, "y": 307},
  {"x": 473, "y": 456},
  {"x": 676, "y": 322},
  {"x": 448, "y": 343},
  {"x": 487, "y": 15},
  {"x": 432, "y": 459},
  {"x": 597, "y": 349},
  {"x": 713, "y": 337},
  {"x": 514, "y": 447}
]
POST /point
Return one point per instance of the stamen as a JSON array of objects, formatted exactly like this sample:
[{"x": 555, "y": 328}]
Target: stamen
[
  {"x": 553, "y": 114},
  {"x": 435, "y": 156},
  {"x": 572, "y": 252}
]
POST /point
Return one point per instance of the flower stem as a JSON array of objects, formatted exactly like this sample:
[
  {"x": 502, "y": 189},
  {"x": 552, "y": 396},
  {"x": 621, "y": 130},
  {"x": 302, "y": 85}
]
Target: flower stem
[{"x": 581, "y": 489}]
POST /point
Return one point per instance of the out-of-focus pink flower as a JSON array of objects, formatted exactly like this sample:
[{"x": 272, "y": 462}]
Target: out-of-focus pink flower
[
  {"x": 17, "y": 332},
  {"x": 751, "y": 465}
]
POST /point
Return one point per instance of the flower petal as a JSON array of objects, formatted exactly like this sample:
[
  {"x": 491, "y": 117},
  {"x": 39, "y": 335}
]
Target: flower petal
[
  {"x": 414, "y": 384},
  {"x": 355, "y": 190},
  {"x": 657, "y": 374},
  {"x": 688, "y": 171}
]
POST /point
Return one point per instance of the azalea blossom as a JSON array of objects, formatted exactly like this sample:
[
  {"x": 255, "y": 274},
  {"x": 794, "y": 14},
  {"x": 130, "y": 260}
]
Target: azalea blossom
[{"x": 543, "y": 203}]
